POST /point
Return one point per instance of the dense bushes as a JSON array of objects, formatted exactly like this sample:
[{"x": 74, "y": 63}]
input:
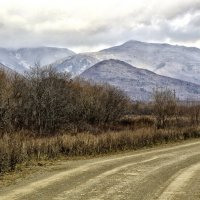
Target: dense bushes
[
  {"x": 46, "y": 101},
  {"x": 36, "y": 112}
]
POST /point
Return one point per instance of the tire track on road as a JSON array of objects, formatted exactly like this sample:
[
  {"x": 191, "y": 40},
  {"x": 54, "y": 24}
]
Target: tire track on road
[
  {"x": 122, "y": 186},
  {"x": 179, "y": 182},
  {"x": 98, "y": 178}
]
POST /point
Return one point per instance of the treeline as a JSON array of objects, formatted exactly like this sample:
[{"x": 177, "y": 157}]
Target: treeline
[
  {"x": 167, "y": 111},
  {"x": 45, "y": 101}
]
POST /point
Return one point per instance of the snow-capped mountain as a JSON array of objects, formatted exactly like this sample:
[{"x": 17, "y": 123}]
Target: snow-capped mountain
[
  {"x": 169, "y": 60},
  {"x": 77, "y": 64},
  {"x": 21, "y": 60},
  {"x": 138, "y": 83}
]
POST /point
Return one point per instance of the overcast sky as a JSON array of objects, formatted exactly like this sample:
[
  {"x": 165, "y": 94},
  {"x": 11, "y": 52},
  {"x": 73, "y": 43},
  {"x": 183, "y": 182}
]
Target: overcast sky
[{"x": 87, "y": 25}]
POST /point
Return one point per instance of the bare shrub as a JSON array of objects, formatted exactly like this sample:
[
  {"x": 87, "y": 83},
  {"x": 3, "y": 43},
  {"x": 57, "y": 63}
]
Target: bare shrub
[
  {"x": 46, "y": 101},
  {"x": 165, "y": 105},
  {"x": 195, "y": 114}
]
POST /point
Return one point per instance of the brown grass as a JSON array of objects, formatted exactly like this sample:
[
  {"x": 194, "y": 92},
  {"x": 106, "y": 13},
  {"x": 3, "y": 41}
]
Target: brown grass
[{"x": 21, "y": 147}]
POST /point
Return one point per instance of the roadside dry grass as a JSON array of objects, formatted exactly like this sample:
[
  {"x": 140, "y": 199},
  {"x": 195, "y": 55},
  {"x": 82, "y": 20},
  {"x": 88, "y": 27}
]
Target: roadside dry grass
[{"x": 21, "y": 149}]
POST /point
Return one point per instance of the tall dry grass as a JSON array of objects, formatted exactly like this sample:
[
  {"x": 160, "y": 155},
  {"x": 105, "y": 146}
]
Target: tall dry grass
[{"x": 21, "y": 147}]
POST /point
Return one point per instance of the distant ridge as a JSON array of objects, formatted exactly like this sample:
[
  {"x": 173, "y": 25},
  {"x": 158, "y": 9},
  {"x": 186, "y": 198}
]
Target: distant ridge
[
  {"x": 21, "y": 60},
  {"x": 168, "y": 60},
  {"x": 138, "y": 83}
]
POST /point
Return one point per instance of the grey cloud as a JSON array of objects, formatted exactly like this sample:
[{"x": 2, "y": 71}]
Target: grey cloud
[
  {"x": 179, "y": 8},
  {"x": 150, "y": 24},
  {"x": 154, "y": 11},
  {"x": 195, "y": 21},
  {"x": 2, "y": 25}
]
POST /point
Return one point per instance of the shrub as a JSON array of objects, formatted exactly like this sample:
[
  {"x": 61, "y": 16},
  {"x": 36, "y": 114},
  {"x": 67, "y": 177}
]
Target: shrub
[{"x": 46, "y": 101}]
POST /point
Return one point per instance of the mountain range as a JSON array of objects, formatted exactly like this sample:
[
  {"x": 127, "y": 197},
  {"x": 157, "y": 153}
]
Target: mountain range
[
  {"x": 135, "y": 67},
  {"x": 169, "y": 60}
]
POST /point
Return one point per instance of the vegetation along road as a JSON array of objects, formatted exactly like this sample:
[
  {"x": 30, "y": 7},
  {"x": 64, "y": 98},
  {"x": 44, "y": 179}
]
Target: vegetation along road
[{"x": 170, "y": 172}]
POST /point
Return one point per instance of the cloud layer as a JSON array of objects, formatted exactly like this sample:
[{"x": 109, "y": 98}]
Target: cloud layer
[{"x": 89, "y": 25}]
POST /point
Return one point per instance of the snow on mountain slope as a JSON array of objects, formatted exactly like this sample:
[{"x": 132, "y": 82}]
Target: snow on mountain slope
[
  {"x": 174, "y": 61},
  {"x": 164, "y": 59},
  {"x": 138, "y": 83},
  {"x": 77, "y": 64},
  {"x": 7, "y": 58},
  {"x": 22, "y": 59}
]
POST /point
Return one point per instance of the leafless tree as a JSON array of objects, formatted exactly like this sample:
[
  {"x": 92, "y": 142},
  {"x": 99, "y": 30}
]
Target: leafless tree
[{"x": 165, "y": 105}]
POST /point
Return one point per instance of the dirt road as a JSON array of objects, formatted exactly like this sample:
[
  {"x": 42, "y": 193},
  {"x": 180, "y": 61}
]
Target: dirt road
[{"x": 163, "y": 173}]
